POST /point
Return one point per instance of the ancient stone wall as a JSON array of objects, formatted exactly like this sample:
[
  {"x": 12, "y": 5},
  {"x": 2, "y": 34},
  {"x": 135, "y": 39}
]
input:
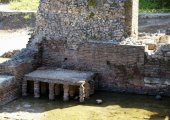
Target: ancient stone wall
[
  {"x": 82, "y": 20},
  {"x": 11, "y": 80},
  {"x": 8, "y": 89},
  {"x": 87, "y": 35},
  {"x": 157, "y": 70},
  {"x": 119, "y": 66}
]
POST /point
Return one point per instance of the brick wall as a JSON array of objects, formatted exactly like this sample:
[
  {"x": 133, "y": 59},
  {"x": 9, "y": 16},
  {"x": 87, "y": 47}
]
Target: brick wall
[
  {"x": 8, "y": 89},
  {"x": 119, "y": 66},
  {"x": 157, "y": 72},
  {"x": 11, "y": 89}
]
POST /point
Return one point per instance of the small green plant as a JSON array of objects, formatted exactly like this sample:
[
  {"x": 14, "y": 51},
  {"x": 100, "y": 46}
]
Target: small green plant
[
  {"x": 92, "y": 3},
  {"x": 27, "y": 17},
  {"x": 91, "y": 15}
]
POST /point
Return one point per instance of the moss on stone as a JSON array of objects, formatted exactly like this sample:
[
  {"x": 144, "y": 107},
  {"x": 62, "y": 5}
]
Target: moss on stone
[{"x": 128, "y": 4}]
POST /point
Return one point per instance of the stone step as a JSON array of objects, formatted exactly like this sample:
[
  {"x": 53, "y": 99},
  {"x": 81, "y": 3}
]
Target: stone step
[{"x": 158, "y": 81}]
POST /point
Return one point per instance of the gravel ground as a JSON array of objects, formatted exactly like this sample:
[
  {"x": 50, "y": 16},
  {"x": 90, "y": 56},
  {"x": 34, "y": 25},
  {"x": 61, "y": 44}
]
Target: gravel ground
[
  {"x": 13, "y": 40},
  {"x": 14, "y": 29}
]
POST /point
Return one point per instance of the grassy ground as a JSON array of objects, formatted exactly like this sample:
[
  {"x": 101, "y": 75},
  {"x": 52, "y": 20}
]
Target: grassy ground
[
  {"x": 115, "y": 107},
  {"x": 24, "y": 4}
]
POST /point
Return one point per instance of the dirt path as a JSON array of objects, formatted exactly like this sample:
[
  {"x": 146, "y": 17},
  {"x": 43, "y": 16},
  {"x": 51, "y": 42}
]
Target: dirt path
[
  {"x": 4, "y": 7},
  {"x": 154, "y": 22},
  {"x": 13, "y": 40},
  {"x": 15, "y": 30}
]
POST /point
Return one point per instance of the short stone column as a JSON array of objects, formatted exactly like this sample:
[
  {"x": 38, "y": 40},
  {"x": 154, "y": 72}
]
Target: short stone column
[
  {"x": 36, "y": 89},
  {"x": 71, "y": 91},
  {"x": 66, "y": 92},
  {"x": 57, "y": 89},
  {"x": 82, "y": 92},
  {"x": 24, "y": 88},
  {"x": 87, "y": 90},
  {"x": 51, "y": 91}
]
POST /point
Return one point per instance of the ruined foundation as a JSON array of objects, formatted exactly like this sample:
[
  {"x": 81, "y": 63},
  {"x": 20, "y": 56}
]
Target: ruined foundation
[{"x": 98, "y": 36}]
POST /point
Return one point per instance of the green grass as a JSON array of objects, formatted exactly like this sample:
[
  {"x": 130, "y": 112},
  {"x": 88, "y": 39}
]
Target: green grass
[
  {"x": 24, "y": 4},
  {"x": 4, "y": 1},
  {"x": 154, "y": 6}
]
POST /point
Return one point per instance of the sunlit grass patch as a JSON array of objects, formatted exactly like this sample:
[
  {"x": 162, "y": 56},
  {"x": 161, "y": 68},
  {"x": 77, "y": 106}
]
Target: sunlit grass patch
[{"x": 24, "y": 4}]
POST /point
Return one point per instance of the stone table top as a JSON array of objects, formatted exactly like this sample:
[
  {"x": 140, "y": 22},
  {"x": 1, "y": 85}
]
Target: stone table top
[{"x": 61, "y": 76}]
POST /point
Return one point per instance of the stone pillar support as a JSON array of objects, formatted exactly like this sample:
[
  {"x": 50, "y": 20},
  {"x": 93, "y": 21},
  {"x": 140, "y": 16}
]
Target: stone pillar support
[
  {"x": 57, "y": 89},
  {"x": 24, "y": 88},
  {"x": 87, "y": 90},
  {"x": 36, "y": 89},
  {"x": 82, "y": 92},
  {"x": 72, "y": 91},
  {"x": 51, "y": 91},
  {"x": 66, "y": 92}
]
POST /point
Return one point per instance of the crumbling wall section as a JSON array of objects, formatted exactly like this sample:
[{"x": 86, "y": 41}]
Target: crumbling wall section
[
  {"x": 8, "y": 89},
  {"x": 157, "y": 72},
  {"x": 17, "y": 67},
  {"x": 75, "y": 21}
]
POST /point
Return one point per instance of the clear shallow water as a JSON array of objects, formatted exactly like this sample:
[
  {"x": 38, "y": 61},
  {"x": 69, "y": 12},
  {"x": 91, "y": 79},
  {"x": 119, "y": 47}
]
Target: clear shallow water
[{"x": 115, "y": 107}]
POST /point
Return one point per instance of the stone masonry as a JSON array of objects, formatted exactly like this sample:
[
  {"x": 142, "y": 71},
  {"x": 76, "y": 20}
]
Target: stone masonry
[
  {"x": 100, "y": 36},
  {"x": 8, "y": 89},
  {"x": 68, "y": 78},
  {"x": 75, "y": 21}
]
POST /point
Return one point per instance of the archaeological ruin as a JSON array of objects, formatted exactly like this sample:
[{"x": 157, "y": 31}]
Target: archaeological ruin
[{"x": 79, "y": 46}]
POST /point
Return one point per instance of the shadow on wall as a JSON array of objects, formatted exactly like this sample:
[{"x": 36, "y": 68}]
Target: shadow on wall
[{"x": 114, "y": 106}]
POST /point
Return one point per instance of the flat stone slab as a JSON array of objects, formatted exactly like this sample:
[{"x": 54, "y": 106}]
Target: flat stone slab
[
  {"x": 61, "y": 76},
  {"x": 6, "y": 80},
  {"x": 160, "y": 81}
]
